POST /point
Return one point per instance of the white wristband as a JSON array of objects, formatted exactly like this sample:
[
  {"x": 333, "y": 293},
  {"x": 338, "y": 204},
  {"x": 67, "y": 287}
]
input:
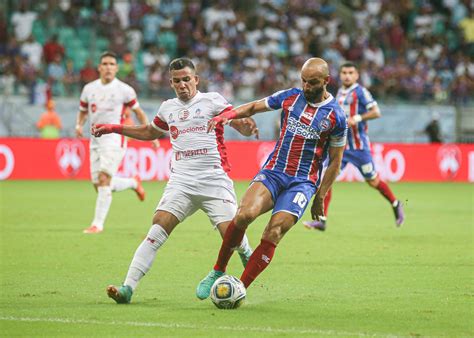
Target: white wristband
[{"x": 357, "y": 118}]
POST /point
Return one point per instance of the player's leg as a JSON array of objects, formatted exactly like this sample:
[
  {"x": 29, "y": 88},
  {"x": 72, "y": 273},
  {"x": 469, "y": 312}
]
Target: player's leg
[
  {"x": 289, "y": 207},
  {"x": 163, "y": 224},
  {"x": 256, "y": 201},
  {"x": 278, "y": 226},
  {"x": 104, "y": 165},
  {"x": 121, "y": 183},
  {"x": 366, "y": 167},
  {"x": 385, "y": 191},
  {"x": 173, "y": 208}
]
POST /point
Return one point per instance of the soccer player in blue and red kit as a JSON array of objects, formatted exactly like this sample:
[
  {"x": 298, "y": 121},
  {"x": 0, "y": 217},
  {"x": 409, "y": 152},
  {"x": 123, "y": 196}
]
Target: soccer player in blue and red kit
[
  {"x": 359, "y": 107},
  {"x": 313, "y": 127}
]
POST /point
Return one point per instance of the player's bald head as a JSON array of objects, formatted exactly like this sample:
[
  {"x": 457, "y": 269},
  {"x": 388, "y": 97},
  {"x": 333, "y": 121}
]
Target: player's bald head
[{"x": 315, "y": 67}]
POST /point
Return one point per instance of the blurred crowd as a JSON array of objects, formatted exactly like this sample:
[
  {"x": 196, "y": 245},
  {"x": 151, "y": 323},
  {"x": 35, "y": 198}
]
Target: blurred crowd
[{"x": 414, "y": 50}]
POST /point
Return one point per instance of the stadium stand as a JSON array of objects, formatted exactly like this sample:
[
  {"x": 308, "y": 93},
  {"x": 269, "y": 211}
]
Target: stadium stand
[{"x": 410, "y": 51}]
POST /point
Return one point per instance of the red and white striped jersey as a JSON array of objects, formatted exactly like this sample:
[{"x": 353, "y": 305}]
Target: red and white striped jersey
[{"x": 106, "y": 103}]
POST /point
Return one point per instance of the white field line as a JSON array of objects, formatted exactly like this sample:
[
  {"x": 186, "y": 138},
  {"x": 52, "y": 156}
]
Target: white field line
[{"x": 194, "y": 327}]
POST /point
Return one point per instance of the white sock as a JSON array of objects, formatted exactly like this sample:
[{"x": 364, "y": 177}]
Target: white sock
[
  {"x": 145, "y": 255},
  {"x": 244, "y": 246},
  {"x": 120, "y": 183},
  {"x": 102, "y": 205}
]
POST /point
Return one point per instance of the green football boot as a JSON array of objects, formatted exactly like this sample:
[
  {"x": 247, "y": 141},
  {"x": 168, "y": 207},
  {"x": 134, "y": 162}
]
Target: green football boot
[
  {"x": 203, "y": 289},
  {"x": 121, "y": 295},
  {"x": 245, "y": 256}
]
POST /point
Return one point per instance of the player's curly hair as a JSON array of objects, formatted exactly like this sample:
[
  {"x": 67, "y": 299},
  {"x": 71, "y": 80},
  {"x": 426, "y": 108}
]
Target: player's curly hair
[{"x": 181, "y": 63}]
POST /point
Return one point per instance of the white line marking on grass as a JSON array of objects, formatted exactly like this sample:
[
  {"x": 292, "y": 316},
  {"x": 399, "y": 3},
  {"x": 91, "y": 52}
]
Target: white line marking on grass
[{"x": 194, "y": 327}]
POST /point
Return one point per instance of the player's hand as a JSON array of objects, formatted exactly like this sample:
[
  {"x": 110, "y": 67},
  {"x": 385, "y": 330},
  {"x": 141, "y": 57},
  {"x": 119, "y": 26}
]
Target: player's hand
[
  {"x": 317, "y": 209},
  {"x": 79, "y": 130},
  {"x": 100, "y": 129},
  {"x": 351, "y": 122},
  {"x": 220, "y": 119},
  {"x": 155, "y": 144},
  {"x": 249, "y": 127}
]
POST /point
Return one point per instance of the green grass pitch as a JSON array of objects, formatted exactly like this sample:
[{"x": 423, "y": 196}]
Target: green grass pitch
[{"x": 363, "y": 276}]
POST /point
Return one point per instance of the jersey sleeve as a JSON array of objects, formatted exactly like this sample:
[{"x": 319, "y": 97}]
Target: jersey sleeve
[
  {"x": 275, "y": 101},
  {"x": 83, "y": 101},
  {"x": 220, "y": 104},
  {"x": 366, "y": 99},
  {"x": 130, "y": 98},
  {"x": 159, "y": 122},
  {"x": 338, "y": 136}
]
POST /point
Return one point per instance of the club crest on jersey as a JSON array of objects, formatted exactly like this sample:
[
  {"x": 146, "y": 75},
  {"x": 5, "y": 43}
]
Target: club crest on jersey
[
  {"x": 93, "y": 107},
  {"x": 260, "y": 177},
  {"x": 324, "y": 125},
  {"x": 183, "y": 115}
]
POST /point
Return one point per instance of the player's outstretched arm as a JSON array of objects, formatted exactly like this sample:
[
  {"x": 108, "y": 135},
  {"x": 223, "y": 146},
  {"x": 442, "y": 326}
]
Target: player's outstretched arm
[
  {"x": 142, "y": 118},
  {"x": 335, "y": 159},
  {"x": 142, "y": 132},
  {"x": 245, "y": 110}
]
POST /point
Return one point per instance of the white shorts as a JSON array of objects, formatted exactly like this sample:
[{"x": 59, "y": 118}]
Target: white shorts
[
  {"x": 182, "y": 202},
  {"x": 105, "y": 160}
]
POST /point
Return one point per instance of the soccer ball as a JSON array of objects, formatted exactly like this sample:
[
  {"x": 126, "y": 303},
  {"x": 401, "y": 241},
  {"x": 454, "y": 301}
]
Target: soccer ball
[{"x": 228, "y": 292}]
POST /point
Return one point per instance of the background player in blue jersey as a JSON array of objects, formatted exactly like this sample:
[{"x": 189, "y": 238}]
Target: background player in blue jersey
[
  {"x": 313, "y": 126},
  {"x": 359, "y": 107}
]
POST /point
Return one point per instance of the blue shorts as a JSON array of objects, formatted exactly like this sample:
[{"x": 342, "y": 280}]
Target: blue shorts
[
  {"x": 362, "y": 160},
  {"x": 290, "y": 194}
]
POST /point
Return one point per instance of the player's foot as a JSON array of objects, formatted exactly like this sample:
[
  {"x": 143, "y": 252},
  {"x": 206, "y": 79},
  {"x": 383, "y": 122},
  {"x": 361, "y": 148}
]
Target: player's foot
[
  {"x": 92, "y": 230},
  {"x": 245, "y": 256},
  {"x": 203, "y": 289},
  {"x": 139, "y": 189},
  {"x": 121, "y": 295},
  {"x": 399, "y": 213},
  {"x": 318, "y": 225}
]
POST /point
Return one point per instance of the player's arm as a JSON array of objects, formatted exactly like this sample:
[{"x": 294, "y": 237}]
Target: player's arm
[
  {"x": 245, "y": 110},
  {"x": 80, "y": 120},
  {"x": 371, "y": 114},
  {"x": 335, "y": 159},
  {"x": 140, "y": 132},
  {"x": 143, "y": 119}
]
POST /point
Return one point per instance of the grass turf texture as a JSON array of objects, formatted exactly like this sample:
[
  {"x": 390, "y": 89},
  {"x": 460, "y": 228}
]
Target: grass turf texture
[{"x": 363, "y": 276}]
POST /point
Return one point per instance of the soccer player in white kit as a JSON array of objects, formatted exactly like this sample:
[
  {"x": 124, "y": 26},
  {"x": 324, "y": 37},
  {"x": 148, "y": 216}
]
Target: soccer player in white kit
[
  {"x": 198, "y": 178},
  {"x": 104, "y": 100}
]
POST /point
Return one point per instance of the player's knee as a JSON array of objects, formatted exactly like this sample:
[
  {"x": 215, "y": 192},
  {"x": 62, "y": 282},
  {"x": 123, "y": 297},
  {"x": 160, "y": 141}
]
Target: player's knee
[
  {"x": 245, "y": 216},
  {"x": 273, "y": 234},
  {"x": 104, "y": 179}
]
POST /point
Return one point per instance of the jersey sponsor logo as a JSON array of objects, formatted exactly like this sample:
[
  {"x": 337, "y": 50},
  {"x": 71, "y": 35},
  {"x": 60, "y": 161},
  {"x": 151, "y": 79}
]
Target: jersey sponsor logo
[
  {"x": 307, "y": 115},
  {"x": 260, "y": 177},
  {"x": 301, "y": 129},
  {"x": 70, "y": 155},
  {"x": 266, "y": 259},
  {"x": 300, "y": 199},
  {"x": 449, "y": 160},
  {"x": 93, "y": 107},
  {"x": 180, "y": 155},
  {"x": 183, "y": 115},
  {"x": 175, "y": 132}
]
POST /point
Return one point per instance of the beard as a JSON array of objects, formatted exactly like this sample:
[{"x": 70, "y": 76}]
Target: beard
[{"x": 313, "y": 95}]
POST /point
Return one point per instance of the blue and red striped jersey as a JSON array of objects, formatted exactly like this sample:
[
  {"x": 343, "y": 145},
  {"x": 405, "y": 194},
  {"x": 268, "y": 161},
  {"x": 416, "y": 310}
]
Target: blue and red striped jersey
[
  {"x": 307, "y": 130},
  {"x": 356, "y": 100}
]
